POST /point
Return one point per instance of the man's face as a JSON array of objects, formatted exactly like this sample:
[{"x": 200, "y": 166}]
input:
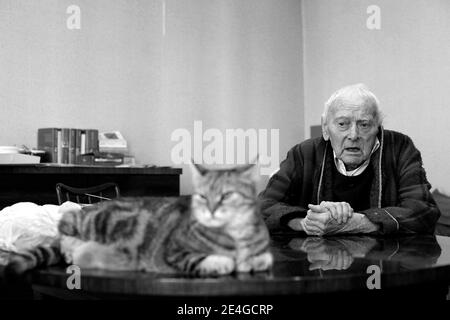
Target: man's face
[{"x": 352, "y": 129}]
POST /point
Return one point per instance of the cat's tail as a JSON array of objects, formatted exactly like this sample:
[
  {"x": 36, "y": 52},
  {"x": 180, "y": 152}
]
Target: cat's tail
[{"x": 40, "y": 256}]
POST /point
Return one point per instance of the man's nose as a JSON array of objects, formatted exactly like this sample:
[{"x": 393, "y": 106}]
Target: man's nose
[{"x": 353, "y": 132}]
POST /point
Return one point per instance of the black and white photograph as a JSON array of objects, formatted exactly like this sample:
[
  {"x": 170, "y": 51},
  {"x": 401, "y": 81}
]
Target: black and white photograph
[{"x": 224, "y": 158}]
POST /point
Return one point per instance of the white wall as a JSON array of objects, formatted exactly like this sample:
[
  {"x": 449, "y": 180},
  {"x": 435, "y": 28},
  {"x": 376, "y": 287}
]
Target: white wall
[
  {"x": 230, "y": 63},
  {"x": 406, "y": 64},
  {"x": 105, "y": 75},
  {"x": 233, "y": 64}
]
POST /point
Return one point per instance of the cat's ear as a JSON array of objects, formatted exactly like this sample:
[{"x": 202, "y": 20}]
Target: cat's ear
[
  {"x": 256, "y": 160},
  {"x": 250, "y": 172},
  {"x": 197, "y": 170}
]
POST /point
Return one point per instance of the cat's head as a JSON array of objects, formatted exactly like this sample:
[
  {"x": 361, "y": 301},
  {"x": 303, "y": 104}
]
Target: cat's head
[{"x": 224, "y": 196}]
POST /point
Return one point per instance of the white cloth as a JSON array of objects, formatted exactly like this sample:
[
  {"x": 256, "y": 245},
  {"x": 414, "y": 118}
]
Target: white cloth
[
  {"x": 25, "y": 224},
  {"x": 340, "y": 166}
]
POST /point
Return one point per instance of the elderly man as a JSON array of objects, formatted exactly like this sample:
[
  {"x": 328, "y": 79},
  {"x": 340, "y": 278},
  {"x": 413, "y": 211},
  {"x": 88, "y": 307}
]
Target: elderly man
[{"x": 357, "y": 178}]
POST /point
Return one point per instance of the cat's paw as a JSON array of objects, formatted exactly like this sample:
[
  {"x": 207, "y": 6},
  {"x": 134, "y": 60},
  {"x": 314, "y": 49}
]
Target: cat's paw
[
  {"x": 244, "y": 266},
  {"x": 261, "y": 262},
  {"x": 216, "y": 265},
  {"x": 68, "y": 257},
  {"x": 67, "y": 246}
]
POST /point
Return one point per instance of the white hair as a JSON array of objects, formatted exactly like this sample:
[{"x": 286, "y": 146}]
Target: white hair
[{"x": 352, "y": 93}]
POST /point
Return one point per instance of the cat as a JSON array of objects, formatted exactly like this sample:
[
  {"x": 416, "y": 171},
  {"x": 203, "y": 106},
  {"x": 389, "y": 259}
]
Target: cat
[{"x": 216, "y": 231}]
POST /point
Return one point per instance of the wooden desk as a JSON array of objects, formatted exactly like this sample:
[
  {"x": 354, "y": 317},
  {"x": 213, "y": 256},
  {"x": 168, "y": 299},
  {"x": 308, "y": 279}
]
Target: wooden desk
[
  {"x": 36, "y": 183},
  {"x": 305, "y": 269}
]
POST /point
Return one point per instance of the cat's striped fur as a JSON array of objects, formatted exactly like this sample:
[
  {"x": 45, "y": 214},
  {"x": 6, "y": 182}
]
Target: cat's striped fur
[{"x": 216, "y": 231}]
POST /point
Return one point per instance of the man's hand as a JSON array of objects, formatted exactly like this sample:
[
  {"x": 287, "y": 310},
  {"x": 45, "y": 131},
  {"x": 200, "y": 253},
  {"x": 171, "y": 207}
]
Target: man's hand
[
  {"x": 311, "y": 227},
  {"x": 340, "y": 211},
  {"x": 315, "y": 223},
  {"x": 319, "y": 220},
  {"x": 358, "y": 223}
]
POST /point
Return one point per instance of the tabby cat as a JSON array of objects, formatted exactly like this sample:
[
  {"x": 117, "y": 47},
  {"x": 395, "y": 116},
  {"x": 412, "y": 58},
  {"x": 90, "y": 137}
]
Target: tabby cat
[{"x": 216, "y": 231}]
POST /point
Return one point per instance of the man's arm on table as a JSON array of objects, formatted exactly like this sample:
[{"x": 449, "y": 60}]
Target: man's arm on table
[
  {"x": 358, "y": 223},
  {"x": 278, "y": 197},
  {"x": 416, "y": 210}
]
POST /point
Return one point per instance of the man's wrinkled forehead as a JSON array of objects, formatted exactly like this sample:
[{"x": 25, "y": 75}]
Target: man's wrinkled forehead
[{"x": 353, "y": 107}]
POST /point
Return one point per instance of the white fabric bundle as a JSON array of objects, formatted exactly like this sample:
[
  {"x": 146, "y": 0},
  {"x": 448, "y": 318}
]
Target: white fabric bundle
[{"x": 25, "y": 224}]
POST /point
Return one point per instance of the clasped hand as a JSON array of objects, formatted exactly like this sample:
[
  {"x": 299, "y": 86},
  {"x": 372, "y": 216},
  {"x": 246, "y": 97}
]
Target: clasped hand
[
  {"x": 326, "y": 217},
  {"x": 327, "y": 254}
]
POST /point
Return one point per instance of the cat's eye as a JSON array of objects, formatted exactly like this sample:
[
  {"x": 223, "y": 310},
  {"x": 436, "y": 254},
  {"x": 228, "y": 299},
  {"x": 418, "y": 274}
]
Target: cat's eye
[
  {"x": 201, "y": 197},
  {"x": 227, "y": 195}
]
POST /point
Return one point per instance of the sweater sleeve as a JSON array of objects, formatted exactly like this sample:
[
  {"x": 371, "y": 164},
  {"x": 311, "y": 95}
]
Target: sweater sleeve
[
  {"x": 278, "y": 200},
  {"x": 416, "y": 210}
]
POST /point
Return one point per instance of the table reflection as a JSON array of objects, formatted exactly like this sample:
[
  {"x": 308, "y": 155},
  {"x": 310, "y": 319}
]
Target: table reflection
[
  {"x": 302, "y": 256},
  {"x": 303, "y": 266}
]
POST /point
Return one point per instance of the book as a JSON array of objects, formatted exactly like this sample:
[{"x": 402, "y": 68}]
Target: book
[
  {"x": 108, "y": 159},
  {"x": 68, "y": 145},
  {"x": 107, "y": 162},
  {"x": 78, "y": 133},
  {"x": 48, "y": 142},
  {"x": 91, "y": 141},
  {"x": 18, "y": 158},
  {"x": 59, "y": 146},
  {"x": 82, "y": 142},
  {"x": 86, "y": 159},
  {"x": 72, "y": 146},
  {"x": 65, "y": 142}
]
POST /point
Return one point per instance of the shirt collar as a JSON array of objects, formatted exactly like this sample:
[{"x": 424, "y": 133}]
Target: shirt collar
[{"x": 340, "y": 166}]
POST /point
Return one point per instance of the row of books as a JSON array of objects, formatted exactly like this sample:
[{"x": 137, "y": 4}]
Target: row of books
[{"x": 68, "y": 145}]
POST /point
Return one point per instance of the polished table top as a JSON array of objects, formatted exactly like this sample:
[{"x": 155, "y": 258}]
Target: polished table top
[{"x": 305, "y": 265}]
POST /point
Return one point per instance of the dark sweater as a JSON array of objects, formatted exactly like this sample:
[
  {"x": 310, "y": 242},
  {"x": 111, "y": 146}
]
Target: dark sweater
[
  {"x": 353, "y": 190},
  {"x": 400, "y": 200}
]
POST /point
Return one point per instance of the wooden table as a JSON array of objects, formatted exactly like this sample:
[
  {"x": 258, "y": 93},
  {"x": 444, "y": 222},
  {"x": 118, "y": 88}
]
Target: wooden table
[
  {"x": 36, "y": 183},
  {"x": 411, "y": 267}
]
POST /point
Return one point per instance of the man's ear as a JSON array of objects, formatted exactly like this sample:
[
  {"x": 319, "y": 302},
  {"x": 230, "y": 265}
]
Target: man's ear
[{"x": 325, "y": 134}]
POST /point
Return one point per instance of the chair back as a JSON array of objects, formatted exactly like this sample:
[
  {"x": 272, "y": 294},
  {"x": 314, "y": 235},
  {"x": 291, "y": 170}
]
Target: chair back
[{"x": 90, "y": 195}]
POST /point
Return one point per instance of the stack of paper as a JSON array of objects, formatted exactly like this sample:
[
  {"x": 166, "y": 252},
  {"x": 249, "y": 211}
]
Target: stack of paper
[{"x": 13, "y": 155}]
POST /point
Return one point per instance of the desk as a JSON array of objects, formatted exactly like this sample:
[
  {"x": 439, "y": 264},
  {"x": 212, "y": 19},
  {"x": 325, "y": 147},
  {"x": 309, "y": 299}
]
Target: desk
[
  {"x": 36, "y": 183},
  {"x": 312, "y": 267}
]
